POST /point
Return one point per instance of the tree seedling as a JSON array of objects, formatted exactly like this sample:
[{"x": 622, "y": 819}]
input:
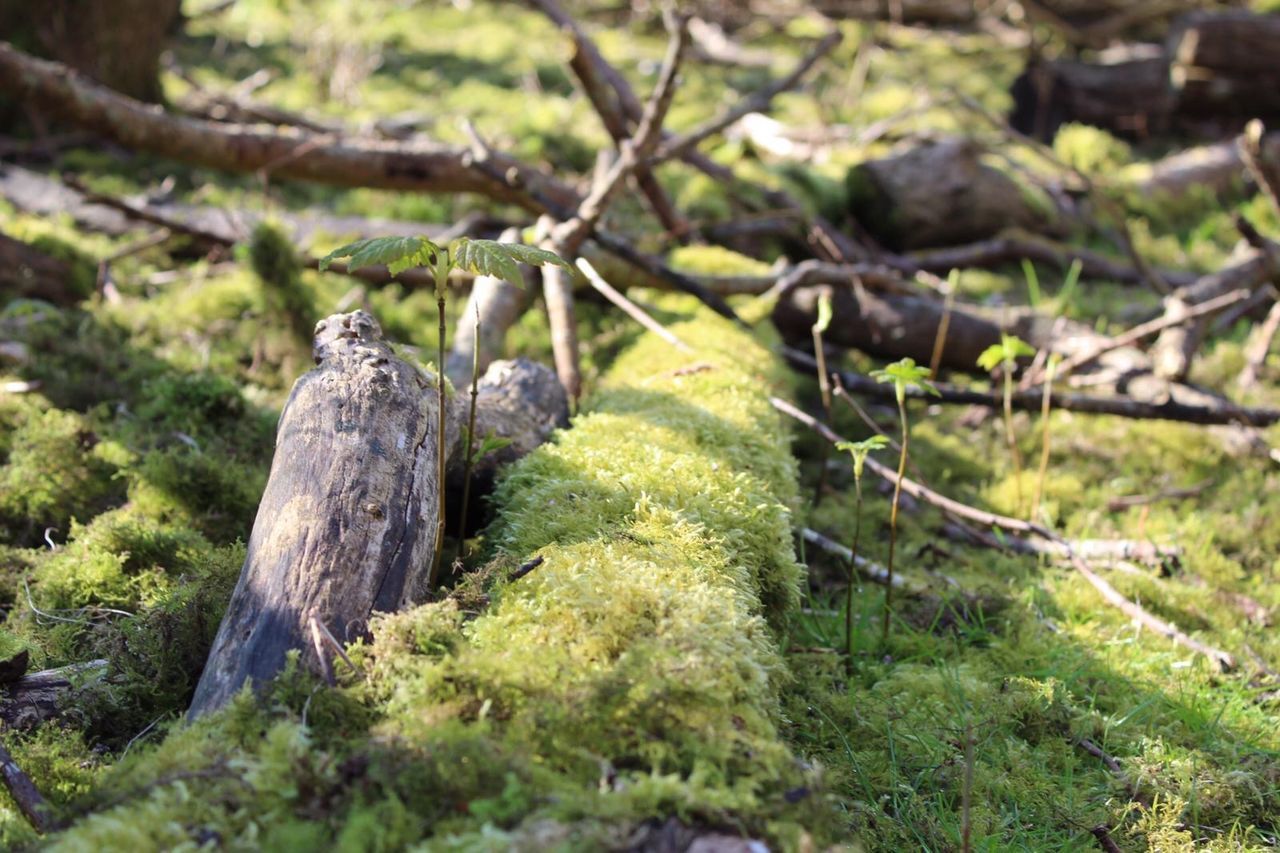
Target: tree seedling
[
  {"x": 824, "y": 382},
  {"x": 858, "y": 451},
  {"x": 1004, "y": 357},
  {"x": 484, "y": 257},
  {"x": 904, "y": 374}
]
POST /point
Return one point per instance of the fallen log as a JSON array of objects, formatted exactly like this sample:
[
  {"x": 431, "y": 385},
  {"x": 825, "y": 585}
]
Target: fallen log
[
  {"x": 937, "y": 194},
  {"x": 1222, "y": 65},
  {"x": 347, "y": 523},
  {"x": 1129, "y": 96}
]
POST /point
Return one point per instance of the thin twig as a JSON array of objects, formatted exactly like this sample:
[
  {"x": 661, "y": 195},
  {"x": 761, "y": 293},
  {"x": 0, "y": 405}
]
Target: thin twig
[
  {"x": 317, "y": 644},
  {"x": 1032, "y": 400},
  {"x": 633, "y": 310},
  {"x": 757, "y": 102},
  {"x": 525, "y": 568}
]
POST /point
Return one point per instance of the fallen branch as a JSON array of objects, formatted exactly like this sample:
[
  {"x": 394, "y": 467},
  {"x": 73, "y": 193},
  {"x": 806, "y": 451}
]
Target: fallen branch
[
  {"x": 419, "y": 166},
  {"x": 870, "y": 570},
  {"x": 1221, "y": 659},
  {"x": 1031, "y": 400},
  {"x": 30, "y": 801}
]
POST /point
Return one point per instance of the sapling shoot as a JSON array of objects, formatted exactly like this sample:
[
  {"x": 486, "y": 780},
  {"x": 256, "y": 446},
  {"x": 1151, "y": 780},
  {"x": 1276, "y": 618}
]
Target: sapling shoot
[
  {"x": 904, "y": 374},
  {"x": 1004, "y": 357},
  {"x": 858, "y": 451},
  {"x": 824, "y": 383},
  {"x": 484, "y": 257}
]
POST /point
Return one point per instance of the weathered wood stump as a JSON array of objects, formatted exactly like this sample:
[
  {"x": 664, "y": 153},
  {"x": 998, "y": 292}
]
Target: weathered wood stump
[{"x": 347, "y": 523}]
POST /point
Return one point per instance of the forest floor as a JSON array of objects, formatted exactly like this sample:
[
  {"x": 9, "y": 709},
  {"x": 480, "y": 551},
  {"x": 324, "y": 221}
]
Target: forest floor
[{"x": 132, "y": 472}]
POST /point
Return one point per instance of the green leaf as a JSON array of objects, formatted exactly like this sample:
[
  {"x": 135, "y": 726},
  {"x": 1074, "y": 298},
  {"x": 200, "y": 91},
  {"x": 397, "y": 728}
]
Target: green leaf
[
  {"x": 491, "y": 443},
  {"x": 824, "y": 312},
  {"x": 501, "y": 260},
  {"x": 991, "y": 358},
  {"x": 396, "y": 253},
  {"x": 860, "y": 450},
  {"x": 1006, "y": 353},
  {"x": 905, "y": 373}
]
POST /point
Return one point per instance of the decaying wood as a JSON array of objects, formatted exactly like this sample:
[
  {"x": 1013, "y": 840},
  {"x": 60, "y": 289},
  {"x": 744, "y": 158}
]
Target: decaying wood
[
  {"x": 1222, "y": 65},
  {"x": 348, "y": 521},
  {"x": 1129, "y": 96},
  {"x": 1212, "y": 169},
  {"x": 937, "y": 194},
  {"x": 495, "y": 306},
  {"x": 419, "y": 166},
  {"x": 40, "y": 696},
  {"x": 1172, "y": 351},
  {"x": 1214, "y": 74},
  {"x": 29, "y": 273},
  {"x": 30, "y": 801}
]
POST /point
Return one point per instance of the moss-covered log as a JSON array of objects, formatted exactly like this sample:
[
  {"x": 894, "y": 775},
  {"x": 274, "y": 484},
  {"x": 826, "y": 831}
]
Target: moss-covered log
[
  {"x": 347, "y": 525},
  {"x": 629, "y": 680}
]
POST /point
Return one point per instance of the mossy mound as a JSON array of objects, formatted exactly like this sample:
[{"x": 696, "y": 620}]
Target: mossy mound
[{"x": 634, "y": 675}]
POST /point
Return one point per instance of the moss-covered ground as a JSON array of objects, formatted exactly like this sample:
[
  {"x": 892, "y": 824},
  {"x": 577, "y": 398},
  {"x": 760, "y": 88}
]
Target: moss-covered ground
[{"x": 560, "y": 709}]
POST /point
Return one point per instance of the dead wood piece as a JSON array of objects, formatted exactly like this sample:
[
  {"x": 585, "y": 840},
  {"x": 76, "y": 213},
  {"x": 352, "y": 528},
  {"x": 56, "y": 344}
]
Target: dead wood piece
[
  {"x": 29, "y": 273},
  {"x": 1172, "y": 351},
  {"x": 1128, "y": 96},
  {"x": 1015, "y": 246},
  {"x": 1259, "y": 346},
  {"x": 872, "y": 571},
  {"x": 32, "y": 804},
  {"x": 937, "y": 194},
  {"x": 40, "y": 696},
  {"x": 632, "y": 310},
  {"x": 419, "y": 166},
  {"x": 1222, "y": 64},
  {"x": 1212, "y": 169},
  {"x": 347, "y": 524},
  {"x": 492, "y": 308}
]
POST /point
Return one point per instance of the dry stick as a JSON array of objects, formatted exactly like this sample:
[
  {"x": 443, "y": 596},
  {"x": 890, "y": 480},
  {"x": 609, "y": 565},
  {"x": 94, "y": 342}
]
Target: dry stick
[
  {"x": 317, "y": 643},
  {"x": 633, "y": 310},
  {"x": 567, "y": 237},
  {"x": 826, "y": 239},
  {"x": 1032, "y": 400},
  {"x": 30, "y": 801},
  {"x": 758, "y": 101},
  {"x": 598, "y": 92},
  {"x": 1259, "y": 345},
  {"x": 1250, "y": 146},
  {"x": 870, "y": 570},
  {"x": 990, "y": 519},
  {"x": 944, "y": 325},
  {"x": 1146, "y": 330},
  {"x": 1015, "y": 245}
]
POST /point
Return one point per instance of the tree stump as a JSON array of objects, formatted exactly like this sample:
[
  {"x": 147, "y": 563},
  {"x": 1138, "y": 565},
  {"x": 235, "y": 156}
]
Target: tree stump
[{"x": 347, "y": 523}]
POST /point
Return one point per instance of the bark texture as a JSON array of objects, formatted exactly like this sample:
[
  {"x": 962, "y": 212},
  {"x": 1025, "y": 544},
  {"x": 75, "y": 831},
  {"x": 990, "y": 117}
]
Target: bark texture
[
  {"x": 347, "y": 524},
  {"x": 117, "y": 43}
]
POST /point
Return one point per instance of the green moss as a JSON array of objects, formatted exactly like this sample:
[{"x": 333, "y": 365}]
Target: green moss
[{"x": 274, "y": 261}]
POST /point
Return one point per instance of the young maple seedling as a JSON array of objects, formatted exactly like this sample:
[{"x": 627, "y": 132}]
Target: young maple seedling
[
  {"x": 824, "y": 383},
  {"x": 904, "y": 374},
  {"x": 1004, "y": 357},
  {"x": 484, "y": 257},
  {"x": 859, "y": 451}
]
